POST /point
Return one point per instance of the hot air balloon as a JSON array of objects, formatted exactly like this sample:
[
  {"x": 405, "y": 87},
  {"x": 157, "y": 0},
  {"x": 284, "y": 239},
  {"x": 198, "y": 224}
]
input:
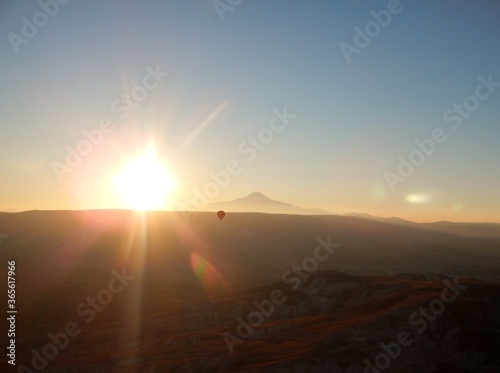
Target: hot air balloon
[{"x": 221, "y": 214}]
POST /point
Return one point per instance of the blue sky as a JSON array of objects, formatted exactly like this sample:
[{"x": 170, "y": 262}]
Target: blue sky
[{"x": 353, "y": 120}]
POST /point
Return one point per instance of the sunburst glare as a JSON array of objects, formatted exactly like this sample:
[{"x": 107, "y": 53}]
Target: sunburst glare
[{"x": 145, "y": 183}]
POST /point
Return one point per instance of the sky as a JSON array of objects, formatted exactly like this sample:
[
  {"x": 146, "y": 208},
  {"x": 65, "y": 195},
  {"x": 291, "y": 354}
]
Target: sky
[{"x": 383, "y": 107}]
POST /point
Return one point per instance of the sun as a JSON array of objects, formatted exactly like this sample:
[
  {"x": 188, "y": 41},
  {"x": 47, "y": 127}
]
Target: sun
[{"x": 144, "y": 184}]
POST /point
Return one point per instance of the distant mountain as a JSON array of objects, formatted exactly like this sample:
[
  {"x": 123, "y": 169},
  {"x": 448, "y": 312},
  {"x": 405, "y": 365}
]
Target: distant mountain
[
  {"x": 258, "y": 202},
  {"x": 394, "y": 220},
  {"x": 465, "y": 229},
  {"x": 484, "y": 230}
]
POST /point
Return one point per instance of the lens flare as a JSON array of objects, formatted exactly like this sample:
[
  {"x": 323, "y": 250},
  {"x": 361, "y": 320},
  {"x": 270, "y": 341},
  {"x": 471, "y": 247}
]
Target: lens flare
[
  {"x": 417, "y": 198},
  {"x": 207, "y": 274}
]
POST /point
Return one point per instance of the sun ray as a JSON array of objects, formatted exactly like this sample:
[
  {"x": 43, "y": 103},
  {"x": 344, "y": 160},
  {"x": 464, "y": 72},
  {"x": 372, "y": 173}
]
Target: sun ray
[{"x": 205, "y": 123}]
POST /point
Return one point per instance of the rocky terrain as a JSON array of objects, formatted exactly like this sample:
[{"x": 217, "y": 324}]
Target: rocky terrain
[{"x": 118, "y": 295}]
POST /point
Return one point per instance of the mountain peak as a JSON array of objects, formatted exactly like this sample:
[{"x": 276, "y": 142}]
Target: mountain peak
[
  {"x": 257, "y": 196},
  {"x": 258, "y": 202}
]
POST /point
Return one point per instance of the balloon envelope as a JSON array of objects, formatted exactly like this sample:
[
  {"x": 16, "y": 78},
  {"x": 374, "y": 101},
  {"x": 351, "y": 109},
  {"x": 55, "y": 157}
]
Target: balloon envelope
[{"x": 221, "y": 214}]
